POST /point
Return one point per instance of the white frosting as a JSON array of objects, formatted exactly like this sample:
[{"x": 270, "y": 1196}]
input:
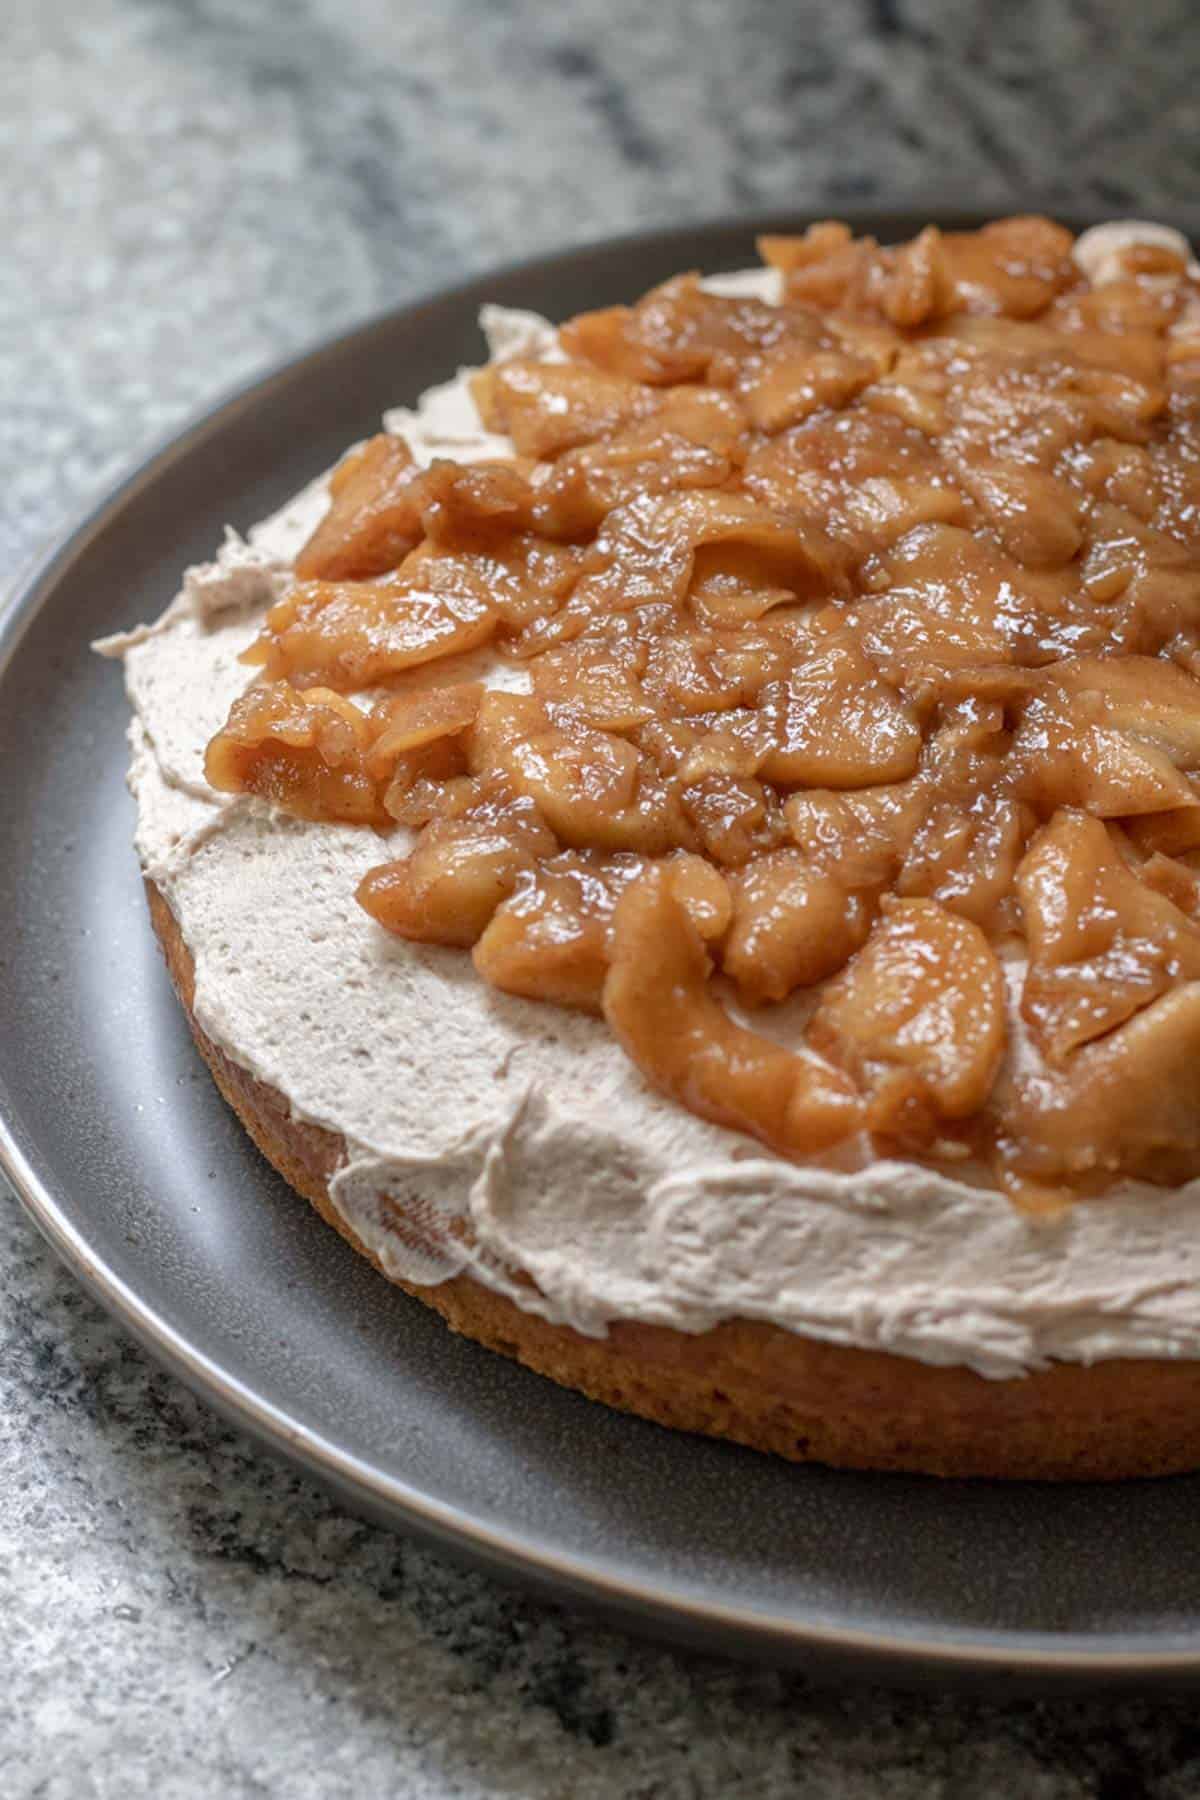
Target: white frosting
[
  {"x": 528, "y": 1122},
  {"x": 1098, "y": 251}
]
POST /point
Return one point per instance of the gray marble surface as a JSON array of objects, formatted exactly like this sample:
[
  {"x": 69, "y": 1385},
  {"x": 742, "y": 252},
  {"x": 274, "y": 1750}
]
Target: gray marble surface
[{"x": 191, "y": 188}]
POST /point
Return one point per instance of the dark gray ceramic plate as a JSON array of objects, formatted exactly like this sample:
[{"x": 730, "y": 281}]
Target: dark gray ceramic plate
[{"x": 129, "y": 1162}]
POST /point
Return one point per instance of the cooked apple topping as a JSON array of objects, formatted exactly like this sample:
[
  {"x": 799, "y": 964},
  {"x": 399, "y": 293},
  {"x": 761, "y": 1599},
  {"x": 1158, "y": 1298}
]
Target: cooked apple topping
[
  {"x": 304, "y": 749},
  {"x": 373, "y": 518},
  {"x": 1102, "y": 942},
  {"x": 658, "y": 999},
  {"x": 851, "y": 654},
  {"x": 917, "y": 1018}
]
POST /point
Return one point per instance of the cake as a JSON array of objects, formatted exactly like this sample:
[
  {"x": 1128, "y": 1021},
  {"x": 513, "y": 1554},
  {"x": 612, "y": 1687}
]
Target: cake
[{"x": 684, "y": 848}]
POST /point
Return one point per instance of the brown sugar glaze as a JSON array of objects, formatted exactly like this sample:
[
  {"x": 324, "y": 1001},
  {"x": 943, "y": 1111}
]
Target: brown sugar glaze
[{"x": 862, "y": 634}]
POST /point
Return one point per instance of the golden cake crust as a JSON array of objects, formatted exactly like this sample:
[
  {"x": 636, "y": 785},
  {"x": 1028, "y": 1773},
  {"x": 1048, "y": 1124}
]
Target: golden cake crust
[{"x": 761, "y": 1385}]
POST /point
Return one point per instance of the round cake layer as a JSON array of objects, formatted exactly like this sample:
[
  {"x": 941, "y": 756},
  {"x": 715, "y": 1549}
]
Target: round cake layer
[{"x": 504, "y": 1162}]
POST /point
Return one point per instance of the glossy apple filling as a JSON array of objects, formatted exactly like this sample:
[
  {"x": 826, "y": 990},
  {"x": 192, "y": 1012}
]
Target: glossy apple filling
[{"x": 860, "y": 635}]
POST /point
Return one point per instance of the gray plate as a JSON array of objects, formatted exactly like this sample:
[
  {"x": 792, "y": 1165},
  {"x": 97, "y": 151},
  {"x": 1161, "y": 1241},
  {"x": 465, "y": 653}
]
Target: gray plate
[{"x": 129, "y": 1162}]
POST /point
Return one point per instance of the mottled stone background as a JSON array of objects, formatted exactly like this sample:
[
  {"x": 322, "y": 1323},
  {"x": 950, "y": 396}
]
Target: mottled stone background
[{"x": 190, "y": 188}]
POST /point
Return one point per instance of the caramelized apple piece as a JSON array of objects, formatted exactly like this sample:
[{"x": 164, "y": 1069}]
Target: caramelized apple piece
[
  {"x": 373, "y": 519},
  {"x": 502, "y": 721},
  {"x": 420, "y": 717},
  {"x": 473, "y": 505},
  {"x": 835, "y": 723},
  {"x": 1013, "y": 266},
  {"x": 1117, "y": 305},
  {"x": 914, "y": 390},
  {"x": 585, "y": 485},
  {"x": 1012, "y": 393},
  {"x": 868, "y": 479},
  {"x": 547, "y": 408},
  {"x": 460, "y": 869},
  {"x": 1143, "y": 696},
  {"x": 1176, "y": 880},
  {"x": 1172, "y": 833},
  {"x": 1123, "y": 474},
  {"x": 732, "y": 816},
  {"x": 1148, "y": 579},
  {"x": 1117, "y": 405},
  {"x": 887, "y": 507},
  {"x": 304, "y": 751},
  {"x": 733, "y": 590},
  {"x": 826, "y": 268},
  {"x": 749, "y": 657},
  {"x": 704, "y": 417},
  {"x": 680, "y": 332},
  {"x": 1067, "y": 753},
  {"x": 791, "y": 384},
  {"x": 816, "y": 245},
  {"x": 652, "y": 551},
  {"x": 418, "y": 745},
  {"x": 945, "y": 600},
  {"x": 549, "y": 940},
  {"x": 420, "y": 778},
  {"x": 693, "y": 670},
  {"x": 1102, "y": 944},
  {"x": 594, "y": 789},
  {"x": 528, "y": 581},
  {"x": 969, "y": 280},
  {"x": 793, "y": 925},
  {"x": 703, "y": 892},
  {"x": 355, "y": 634},
  {"x": 585, "y": 782},
  {"x": 599, "y": 677},
  {"x": 860, "y": 837},
  {"x": 658, "y": 1002},
  {"x": 1127, "y": 1104},
  {"x": 691, "y": 438},
  {"x": 966, "y": 858},
  {"x": 917, "y": 1018},
  {"x": 1037, "y": 517},
  {"x": 917, "y": 283},
  {"x": 659, "y": 550}
]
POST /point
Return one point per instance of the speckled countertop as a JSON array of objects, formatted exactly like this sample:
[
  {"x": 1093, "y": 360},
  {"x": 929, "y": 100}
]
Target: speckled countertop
[{"x": 190, "y": 189}]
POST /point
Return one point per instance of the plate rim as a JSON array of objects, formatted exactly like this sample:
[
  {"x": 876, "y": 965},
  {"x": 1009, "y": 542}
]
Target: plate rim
[{"x": 668, "y": 1609}]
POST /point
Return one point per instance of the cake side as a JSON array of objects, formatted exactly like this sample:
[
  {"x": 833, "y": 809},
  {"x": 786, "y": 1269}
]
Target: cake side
[{"x": 758, "y": 1384}]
